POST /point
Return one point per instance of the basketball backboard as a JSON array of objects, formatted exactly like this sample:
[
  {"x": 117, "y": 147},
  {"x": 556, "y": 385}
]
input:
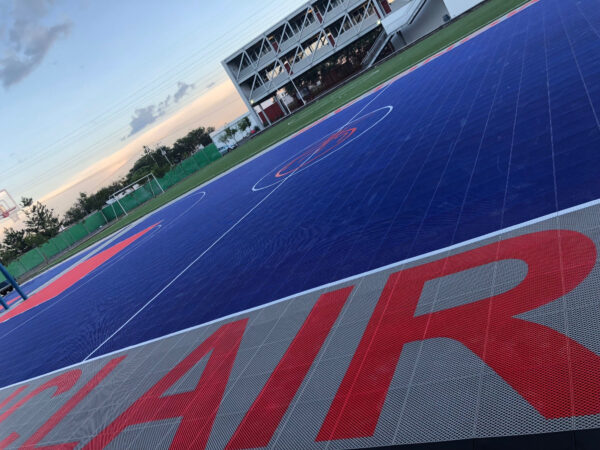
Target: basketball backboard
[{"x": 8, "y": 207}]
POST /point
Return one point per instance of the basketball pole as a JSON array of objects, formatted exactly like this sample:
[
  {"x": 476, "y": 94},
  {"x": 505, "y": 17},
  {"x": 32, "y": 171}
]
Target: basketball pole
[{"x": 14, "y": 283}]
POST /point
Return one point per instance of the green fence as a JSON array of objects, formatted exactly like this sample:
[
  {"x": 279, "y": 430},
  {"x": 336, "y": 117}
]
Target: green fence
[
  {"x": 79, "y": 231},
  {"x": 58, "y": 244},
  {"x": 154, "y": 187},
  {"x": 112, "y": 212},
  {"x": 94, "y": 221}
]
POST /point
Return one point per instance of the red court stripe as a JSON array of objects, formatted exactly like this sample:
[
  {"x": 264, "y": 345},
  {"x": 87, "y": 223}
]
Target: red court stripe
[{"x": 71, "y": 277}]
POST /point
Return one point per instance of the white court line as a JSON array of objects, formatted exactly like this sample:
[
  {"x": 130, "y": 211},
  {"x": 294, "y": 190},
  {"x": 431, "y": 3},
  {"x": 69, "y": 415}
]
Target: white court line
[
  {"x": 97, "y": 247},
  {"x": 45, "y": 306},
  {"x": 92, "y": 250},
  {"x": 325, "y": 286},
  {"x": 219, "y": 239},
  {"x": 299, "y": 153},
  {"x": 170, "y": 283},
  {"x": 104, "y": 242},
  {"x": 382, "y": 87}
]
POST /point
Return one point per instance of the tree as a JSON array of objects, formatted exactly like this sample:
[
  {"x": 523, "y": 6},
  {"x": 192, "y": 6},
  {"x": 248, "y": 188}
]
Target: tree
[
  {"x": 84, "y": 205},
  {"x": 243, "y": 125},
  {"x": 155, "y": 160},
  {"x": 160, "y": 172},
  {"x": 185, "y": 146},
  {"x": 151, "y": 161},
  {"x": 230, "y": 134},
  {"x": 41, "y": 222},
  {"x": 13, "y": 244},
  {"x": 224, "y": 139},
  {"x": 102, "y": 196},
  {"x": 162, "y": 152},
  {"x": 149, "y": 152},
  {"x": 75, "y": 213},
  {"x": 142, "y": 166}
]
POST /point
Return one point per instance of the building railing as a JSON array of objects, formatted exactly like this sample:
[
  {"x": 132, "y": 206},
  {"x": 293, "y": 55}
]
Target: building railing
[
  {"x": 260, "y": 90},
  {"x": 298, "y": 36},
  {"x": 375, "y": 48}
]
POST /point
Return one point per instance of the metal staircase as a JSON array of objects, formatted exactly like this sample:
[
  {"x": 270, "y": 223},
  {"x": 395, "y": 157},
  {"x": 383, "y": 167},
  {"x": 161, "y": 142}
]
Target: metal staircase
[{"x": 375, "y": 49}]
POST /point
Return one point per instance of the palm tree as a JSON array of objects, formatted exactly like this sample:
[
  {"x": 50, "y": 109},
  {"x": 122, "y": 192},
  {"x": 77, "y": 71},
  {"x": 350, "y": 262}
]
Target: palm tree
[
  {"x": 224, "y": 139},
  {"x": 243, "y": 125},
  {"x": 230, "y": 133}
]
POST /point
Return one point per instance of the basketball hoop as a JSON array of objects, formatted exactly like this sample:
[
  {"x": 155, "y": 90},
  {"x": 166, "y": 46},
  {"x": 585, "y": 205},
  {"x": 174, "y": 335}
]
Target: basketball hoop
[{"x": 8, "y": 207}]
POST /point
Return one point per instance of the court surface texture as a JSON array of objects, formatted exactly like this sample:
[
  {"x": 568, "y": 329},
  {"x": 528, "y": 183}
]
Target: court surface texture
[{"x": 499, "y": 131}]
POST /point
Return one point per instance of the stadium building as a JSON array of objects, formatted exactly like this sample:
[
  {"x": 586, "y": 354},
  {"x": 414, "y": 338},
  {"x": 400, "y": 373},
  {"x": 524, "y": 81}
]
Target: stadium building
[{"x": 267, "y": 70}]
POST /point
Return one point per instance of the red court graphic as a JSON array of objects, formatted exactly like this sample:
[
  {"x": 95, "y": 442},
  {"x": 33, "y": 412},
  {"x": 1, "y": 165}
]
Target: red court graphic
[
  {"x": 551, "y": 372},
  {"x": 323, "y": 148},
  {"x": 316, "y": 151},
  {"x": 71, "y": 277}
]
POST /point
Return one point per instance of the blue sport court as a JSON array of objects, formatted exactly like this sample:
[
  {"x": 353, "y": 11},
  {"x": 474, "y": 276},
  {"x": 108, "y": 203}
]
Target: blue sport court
[{"x": 500, "y": 130}]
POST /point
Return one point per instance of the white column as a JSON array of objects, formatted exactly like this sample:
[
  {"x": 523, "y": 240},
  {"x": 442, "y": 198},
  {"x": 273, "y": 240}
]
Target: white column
[{"x": 243, "y": 96}]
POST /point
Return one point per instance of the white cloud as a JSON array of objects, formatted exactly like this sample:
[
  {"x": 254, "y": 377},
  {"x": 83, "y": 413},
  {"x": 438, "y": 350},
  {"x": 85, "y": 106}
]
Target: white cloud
[
  {"x": 206, "y": 110},
  {"x": 142, "y": 117},
  {"x": 182, "y": 90},
  {"x": 25, "y": 40}
]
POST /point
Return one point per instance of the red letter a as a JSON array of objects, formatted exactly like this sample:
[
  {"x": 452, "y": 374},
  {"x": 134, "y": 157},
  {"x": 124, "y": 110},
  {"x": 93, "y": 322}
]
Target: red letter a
[{"x": 197, "y": 408}]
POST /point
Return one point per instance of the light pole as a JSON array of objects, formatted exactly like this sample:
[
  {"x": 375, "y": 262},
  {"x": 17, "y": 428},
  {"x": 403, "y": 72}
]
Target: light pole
[{"x": 165, "y": 155}]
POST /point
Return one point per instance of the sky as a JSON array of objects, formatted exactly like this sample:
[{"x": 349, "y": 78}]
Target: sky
[{"x": 85, "y": 84}]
